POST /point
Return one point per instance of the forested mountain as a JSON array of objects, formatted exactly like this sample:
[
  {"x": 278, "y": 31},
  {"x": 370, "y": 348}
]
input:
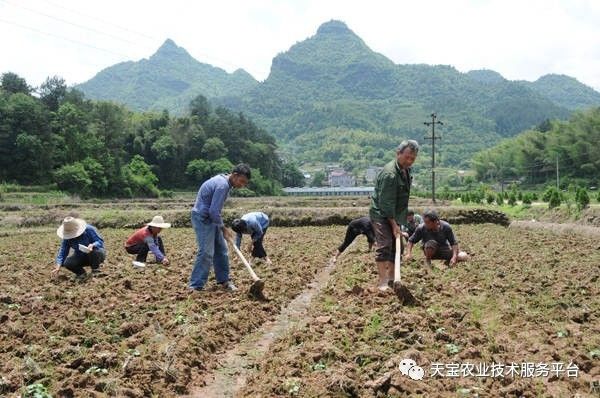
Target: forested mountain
[
  {"x": 533, "y": 155},
  {"x": 99, "y": 148},
  {"x": 169, "y": 79},
  {"x": 333, "y": 79},
  {"x": 566, "y": 91},
  {"x": 333, "y": 84}
]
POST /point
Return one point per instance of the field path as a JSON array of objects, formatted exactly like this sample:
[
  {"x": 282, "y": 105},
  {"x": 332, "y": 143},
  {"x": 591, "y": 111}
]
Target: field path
[{"x": 238, "y": 363}]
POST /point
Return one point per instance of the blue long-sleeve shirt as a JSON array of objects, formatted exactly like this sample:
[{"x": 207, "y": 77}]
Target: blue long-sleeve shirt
[
  {"x": 211, "y": 198},
  {"x": 89, "y": 235},
  {"x": 256, "y": 222}
]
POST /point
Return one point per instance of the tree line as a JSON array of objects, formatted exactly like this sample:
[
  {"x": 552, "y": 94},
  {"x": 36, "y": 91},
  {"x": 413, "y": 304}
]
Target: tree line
[
  {"x": 533, "y": 156},
  {"x": 54, "y": 135}
]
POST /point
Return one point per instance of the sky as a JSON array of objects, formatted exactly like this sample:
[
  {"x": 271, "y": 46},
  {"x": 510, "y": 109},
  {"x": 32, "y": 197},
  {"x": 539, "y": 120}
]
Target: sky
[{"x": 522, "y": 40}]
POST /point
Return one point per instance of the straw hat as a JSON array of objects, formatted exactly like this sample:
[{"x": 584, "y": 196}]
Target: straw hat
[
  {"x": 71, "y": 228},
  {"x": 159, "y": 222}
]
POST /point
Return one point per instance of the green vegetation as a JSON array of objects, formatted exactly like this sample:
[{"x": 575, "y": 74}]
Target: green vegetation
[
  {"x": 331, "y": 98},
  {"x": 565, "y": 91},
  {"x": 169, "y": 79},
  {"x": 334, "y": 82},
  {"x": 531, "y": 156},
  {"x": 97, "y": 148}
]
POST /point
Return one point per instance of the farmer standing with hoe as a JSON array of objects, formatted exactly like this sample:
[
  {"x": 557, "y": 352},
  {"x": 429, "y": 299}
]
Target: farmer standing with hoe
[
  {"x": 389, "y": 206},
  {"x": 211, "y": 233}
]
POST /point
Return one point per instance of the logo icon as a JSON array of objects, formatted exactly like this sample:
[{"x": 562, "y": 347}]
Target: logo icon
[{"x": 409, "y": 368}]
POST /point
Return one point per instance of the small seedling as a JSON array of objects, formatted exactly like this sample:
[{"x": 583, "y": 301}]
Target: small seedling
[
  {"x": 562, "y": 333},
  {"x": 180, "y": 319},
  {"x": 96, "y": 370},
  {"x": 133, "y": 352},
  {"x": 452, "y": 348},
  {"x": 37, "y": 390},
  {"x": 319, "y": 366}
]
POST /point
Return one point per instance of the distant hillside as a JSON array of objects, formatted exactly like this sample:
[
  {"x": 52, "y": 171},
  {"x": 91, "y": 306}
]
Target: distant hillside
[
  {"x": 566, "y": 91},
  {"x": 332, "y": 83},
  {"x": 333, "y": 79},
  {"x": 169, "y": 79},
  {"x": 486, "y": 76}
]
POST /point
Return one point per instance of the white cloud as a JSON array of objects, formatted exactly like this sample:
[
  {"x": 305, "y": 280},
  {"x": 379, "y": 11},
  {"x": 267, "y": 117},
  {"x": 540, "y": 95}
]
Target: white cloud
[{"x": 520, "y": 40}]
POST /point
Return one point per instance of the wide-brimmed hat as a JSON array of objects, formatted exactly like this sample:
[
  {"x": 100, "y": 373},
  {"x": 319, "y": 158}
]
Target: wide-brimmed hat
[
  {"x": 71, "y": 228},
  {"x": 159, "y": 222}
]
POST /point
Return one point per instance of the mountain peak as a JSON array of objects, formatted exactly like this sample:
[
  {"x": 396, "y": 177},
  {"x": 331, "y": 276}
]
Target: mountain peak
[
  {"x": 486, "y": 76},
  {"x": 333, "y": 26},
  {"x": 170, "y": 49}
]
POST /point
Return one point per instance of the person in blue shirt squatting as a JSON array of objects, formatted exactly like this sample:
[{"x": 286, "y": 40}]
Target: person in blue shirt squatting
[
  {"x": 255, "y": 224},
  {"x": 211, "y": 233},
  {"x": 76, "y": 234}
]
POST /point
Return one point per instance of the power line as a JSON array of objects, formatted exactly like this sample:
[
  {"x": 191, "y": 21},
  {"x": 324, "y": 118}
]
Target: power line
[
  {"x": 102, "y": 21},
  {"x": 206, "y": 56},
  {"x": 69, "y": 23},
  {"x": 62, "y": 38}
]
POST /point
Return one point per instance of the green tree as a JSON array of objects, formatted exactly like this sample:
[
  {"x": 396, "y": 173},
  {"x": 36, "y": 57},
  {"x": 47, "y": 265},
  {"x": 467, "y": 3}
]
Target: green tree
[
  {"x": 318, "y": 178},
  {"x": 73, "y": 178},
  {"x": 582, "y": 198},
  {"x": 500, "y": 199},
  {"x": 214, "y": 149},
  {"x": 52, "y": 92},
  {"x": 198, "y": 171},
  {"x": 291, "y": 176},
  {"x": 25, "y": 150},
  {"x": 139, "y": 178},
  {"x": 13, "y": 83},
  {"x": 223, "y": 166},
  {"x": 555, "y": 199},
  {"x": 95, "y": 171},
  {"x": 200, "y": 108}
]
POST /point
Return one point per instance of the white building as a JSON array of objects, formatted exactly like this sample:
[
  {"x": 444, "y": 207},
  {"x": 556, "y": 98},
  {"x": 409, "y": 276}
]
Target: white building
[
  {"x": 340, "y": 178},
  {"x": 371, "y": 174}
]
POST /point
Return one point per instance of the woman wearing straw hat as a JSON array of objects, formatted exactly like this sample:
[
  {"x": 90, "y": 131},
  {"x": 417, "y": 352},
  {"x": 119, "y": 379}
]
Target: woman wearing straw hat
[
  {"x": 146, "y": 239},
  {"x": 87, "y": 244}
]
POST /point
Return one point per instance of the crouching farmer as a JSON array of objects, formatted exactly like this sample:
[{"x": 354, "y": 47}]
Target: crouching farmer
[
  {"x": 87, "y": 245},
  {"x": 255, "y": 224},
  {"x": 438, "y": 240},
  {"x": 146, "y": 239},
  {"x": 358, "y": 226}
]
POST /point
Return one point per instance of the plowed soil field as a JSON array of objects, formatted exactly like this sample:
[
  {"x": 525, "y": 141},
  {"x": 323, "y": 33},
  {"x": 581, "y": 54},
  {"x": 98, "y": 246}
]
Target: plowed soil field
[{"x": 527, "y": 303}]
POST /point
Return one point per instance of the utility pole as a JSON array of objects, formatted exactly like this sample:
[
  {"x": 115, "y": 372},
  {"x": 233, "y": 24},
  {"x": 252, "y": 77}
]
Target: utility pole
[
  {"x": 433, "y": 138},
  {"x": 557, "y": 179}
]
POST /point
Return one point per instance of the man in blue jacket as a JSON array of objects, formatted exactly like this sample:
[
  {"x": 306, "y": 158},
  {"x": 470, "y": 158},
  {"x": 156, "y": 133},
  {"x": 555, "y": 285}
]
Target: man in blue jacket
[
  {"x": 255, "y": 224},
  {"x": 211, "y": 233},
  {"x": 87, "y": 245}
]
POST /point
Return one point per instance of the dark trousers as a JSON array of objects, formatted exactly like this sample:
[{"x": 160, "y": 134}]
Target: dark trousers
[
  {"x": 75, "y": 263},
  {"x": 258, "y": 250},
  {"x": 351, "y": 234},
  {"x": 142, "y": 249}
]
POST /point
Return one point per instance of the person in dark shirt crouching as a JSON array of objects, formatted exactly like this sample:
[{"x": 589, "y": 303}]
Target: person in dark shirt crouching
[
  {"x": 438, "y": 241},
  {"x": 359, "y": 226}
]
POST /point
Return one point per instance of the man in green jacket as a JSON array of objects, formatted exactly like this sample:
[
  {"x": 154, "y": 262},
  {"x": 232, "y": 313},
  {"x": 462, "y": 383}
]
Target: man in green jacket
[{"x": 389, "y": 207}]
